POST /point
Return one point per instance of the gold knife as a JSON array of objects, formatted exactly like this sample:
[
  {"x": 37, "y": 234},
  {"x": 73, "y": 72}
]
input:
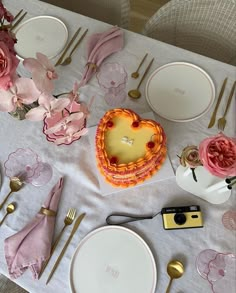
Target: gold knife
[
  {"x": 68, "y": 47},
  {"x": 213, "y": 117},
  {"x": 76, "y": 225}
]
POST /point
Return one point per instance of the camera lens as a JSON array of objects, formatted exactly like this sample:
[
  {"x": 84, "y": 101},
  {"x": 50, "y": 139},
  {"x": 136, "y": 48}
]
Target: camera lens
[{"x": 180, "y": 219}]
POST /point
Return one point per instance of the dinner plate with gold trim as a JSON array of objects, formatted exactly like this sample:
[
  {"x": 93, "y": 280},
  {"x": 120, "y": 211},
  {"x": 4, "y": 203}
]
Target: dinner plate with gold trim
[
  {"x": 113, "y": 259},
  {"x": 180, "y": 91}
]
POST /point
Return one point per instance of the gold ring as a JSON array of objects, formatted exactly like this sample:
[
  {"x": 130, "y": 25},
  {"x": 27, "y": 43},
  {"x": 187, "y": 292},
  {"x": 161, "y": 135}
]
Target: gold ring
[{"x": 47, "y": 212}]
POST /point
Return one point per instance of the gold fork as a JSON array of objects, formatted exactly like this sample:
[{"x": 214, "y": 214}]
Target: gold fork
[
  {"x": 67, "y": 221},
  {"x": 222, "y": 120}
]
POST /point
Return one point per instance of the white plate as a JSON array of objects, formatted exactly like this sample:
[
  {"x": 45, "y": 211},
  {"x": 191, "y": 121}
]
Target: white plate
[
  {"x": 45, "y": 34},
  {"x": 113, "y": 259},
  {"x": 180, "y": 91}
]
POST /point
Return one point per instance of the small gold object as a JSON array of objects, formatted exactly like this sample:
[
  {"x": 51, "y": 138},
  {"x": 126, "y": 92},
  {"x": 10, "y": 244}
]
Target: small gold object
[
  {"x": 136, "y": 94},
  {"x": 15, "y": 185},
  {"x": 68, "y": 47},
  {"x": 69, "y": 59},
  {"x": 222, "y": 120},
  {"x": 175, "y": 270},
  {"x": 92, "y": 65},
  {"x": 18, "y": 21},
  {"x": 47, "y": 212},
  {"x": 10, "y": 209},
  {"x": 67, "y": 221},
  {"x": 213, "y": 117},
  {"x": 76, "y": 225},
  {"x": 136, "y": 73}
]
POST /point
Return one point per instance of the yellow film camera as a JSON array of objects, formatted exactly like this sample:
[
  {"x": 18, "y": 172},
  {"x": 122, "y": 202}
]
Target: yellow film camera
[{"x": 182, "y": 217}]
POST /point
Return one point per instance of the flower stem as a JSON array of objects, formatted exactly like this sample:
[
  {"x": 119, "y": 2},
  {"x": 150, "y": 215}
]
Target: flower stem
[{"x": 194, "y": 175}]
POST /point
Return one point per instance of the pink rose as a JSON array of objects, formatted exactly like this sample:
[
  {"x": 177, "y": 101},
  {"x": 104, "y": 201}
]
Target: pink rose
[
  {"x": 218, "y": 155},
  {"x": 190, "y": 157},
  {"x": 8, "y": 65},
  {"x": 9, "y": 39}
]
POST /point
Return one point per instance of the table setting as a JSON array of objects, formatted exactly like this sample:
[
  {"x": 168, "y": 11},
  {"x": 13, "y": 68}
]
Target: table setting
[{"x": 117, "y": 159}]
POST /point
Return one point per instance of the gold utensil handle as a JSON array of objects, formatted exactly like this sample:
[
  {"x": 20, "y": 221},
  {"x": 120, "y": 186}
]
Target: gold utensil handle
[
  {"x": 169, "y": 285},
  {"x": 52, "y": 250},
  {"x": 141, "y": 63},
  {"x": 68, "y": 46},
  {"x": 75, "y": 227},
  {"x": 3, "y": 219},
  {"x": 230, "y": 98},
  {"x": 78, "y": 42},
  {"x": 5, "y": 199},
  {"x": 145, "y": 73},
  {"x": 17, "y": 15},
  {"x": 213, "y": 117},
  {"x": 18, "y": 21}
]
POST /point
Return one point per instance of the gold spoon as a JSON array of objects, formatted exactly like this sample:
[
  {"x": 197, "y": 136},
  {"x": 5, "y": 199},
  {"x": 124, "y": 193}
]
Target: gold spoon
[
  {"x": 175, "y": 270},
  {"x": 136, "y": 74},
  {"x": 68, "y": 59},
  {"x": 15, "y": 185},
  {"x": 136, "y": 94},
  {"x": 10, "y": 209}
]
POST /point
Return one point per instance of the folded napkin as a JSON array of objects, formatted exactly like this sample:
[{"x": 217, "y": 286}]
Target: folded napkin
[
  {"x": 99, "y": 47},
  {"x": 30, "y": 247}
]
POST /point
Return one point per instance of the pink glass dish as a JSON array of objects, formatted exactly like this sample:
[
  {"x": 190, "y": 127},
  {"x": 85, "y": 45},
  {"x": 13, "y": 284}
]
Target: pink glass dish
[
  {"x": 22, "y": 163},
  {"x": 42, "y": 176},
  {"x": 202, "y": 261},
  {"x": 26, "y": 165},
  {"x": 112, "y": 78},
  {"x": 221, "y": 274},
  {"x": 229, "y": 220}
]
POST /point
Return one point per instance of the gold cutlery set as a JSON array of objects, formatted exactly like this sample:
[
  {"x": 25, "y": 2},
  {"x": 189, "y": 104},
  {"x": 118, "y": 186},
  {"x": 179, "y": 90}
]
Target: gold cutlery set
[
  {"x": 68, "y": 59},
  {"x": 135, "y": 93},
  {"x": 222, "y": 120},
  {"x": 67, "y": 221},
  {"x": 17, "y": 19}
]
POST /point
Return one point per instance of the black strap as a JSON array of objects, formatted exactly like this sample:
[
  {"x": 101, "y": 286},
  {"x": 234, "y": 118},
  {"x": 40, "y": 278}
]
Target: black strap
[{"x": 115, "y": 218}]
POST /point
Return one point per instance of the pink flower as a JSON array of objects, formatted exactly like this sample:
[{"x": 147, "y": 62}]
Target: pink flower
[
  {"x": 190, "y": 157},
  {"x": 8, "y": 65},
  {"x": 74, "y": 95},
  {"x": 23, "y": 91},
  {"x": 72, "y": 133},
  {"x": 48, "y": 105},
  {"x": 8, "y": 38},
  {"x": 43, "y": 72},
  {"x": 218, "y": 155}
]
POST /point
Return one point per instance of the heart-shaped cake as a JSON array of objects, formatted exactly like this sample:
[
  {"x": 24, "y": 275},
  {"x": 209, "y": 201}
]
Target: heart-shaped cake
[{"x": 129, "y": 149}]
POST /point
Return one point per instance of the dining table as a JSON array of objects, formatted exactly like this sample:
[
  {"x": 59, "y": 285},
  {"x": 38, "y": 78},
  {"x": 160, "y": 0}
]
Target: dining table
[{"x": 76, "y": 164}]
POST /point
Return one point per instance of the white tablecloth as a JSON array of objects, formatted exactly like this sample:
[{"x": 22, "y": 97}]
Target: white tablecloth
[{"x": 81, "y": 189}]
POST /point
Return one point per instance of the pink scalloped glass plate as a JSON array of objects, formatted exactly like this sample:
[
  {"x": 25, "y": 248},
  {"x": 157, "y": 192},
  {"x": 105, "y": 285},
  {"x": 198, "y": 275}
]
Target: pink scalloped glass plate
[
  {"x": 52, "y": 121},
  {"x": 21, "y": 163},
  {"x": 202, "y": 261},
  {"x": 42, "y": 176},
  {"x": 221, "y": 274},
  {"x": 229, "y": 220},
  {"x": 112, "y": 78}
]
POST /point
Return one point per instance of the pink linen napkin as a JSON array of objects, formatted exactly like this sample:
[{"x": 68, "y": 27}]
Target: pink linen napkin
[
  {"x": 99, "y": 47},
  {"x": 31, "y": 246}
]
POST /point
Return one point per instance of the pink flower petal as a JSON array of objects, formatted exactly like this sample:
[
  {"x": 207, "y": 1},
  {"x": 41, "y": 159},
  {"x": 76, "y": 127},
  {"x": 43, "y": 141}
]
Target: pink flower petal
[
  {"x": 58, "y": 105},
  {"x": 6, "y": 101},
  {"x": 27, "y": 90},
  {"x": 36, "y": 114}
]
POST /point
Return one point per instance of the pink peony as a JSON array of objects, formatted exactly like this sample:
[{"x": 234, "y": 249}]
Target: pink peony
[
  {"x": 8, "y": 65},
  {"x": 218, "y": 155}
]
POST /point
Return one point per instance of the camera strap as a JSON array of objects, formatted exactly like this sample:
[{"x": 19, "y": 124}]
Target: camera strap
[{"x": 122, "y": 218}]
